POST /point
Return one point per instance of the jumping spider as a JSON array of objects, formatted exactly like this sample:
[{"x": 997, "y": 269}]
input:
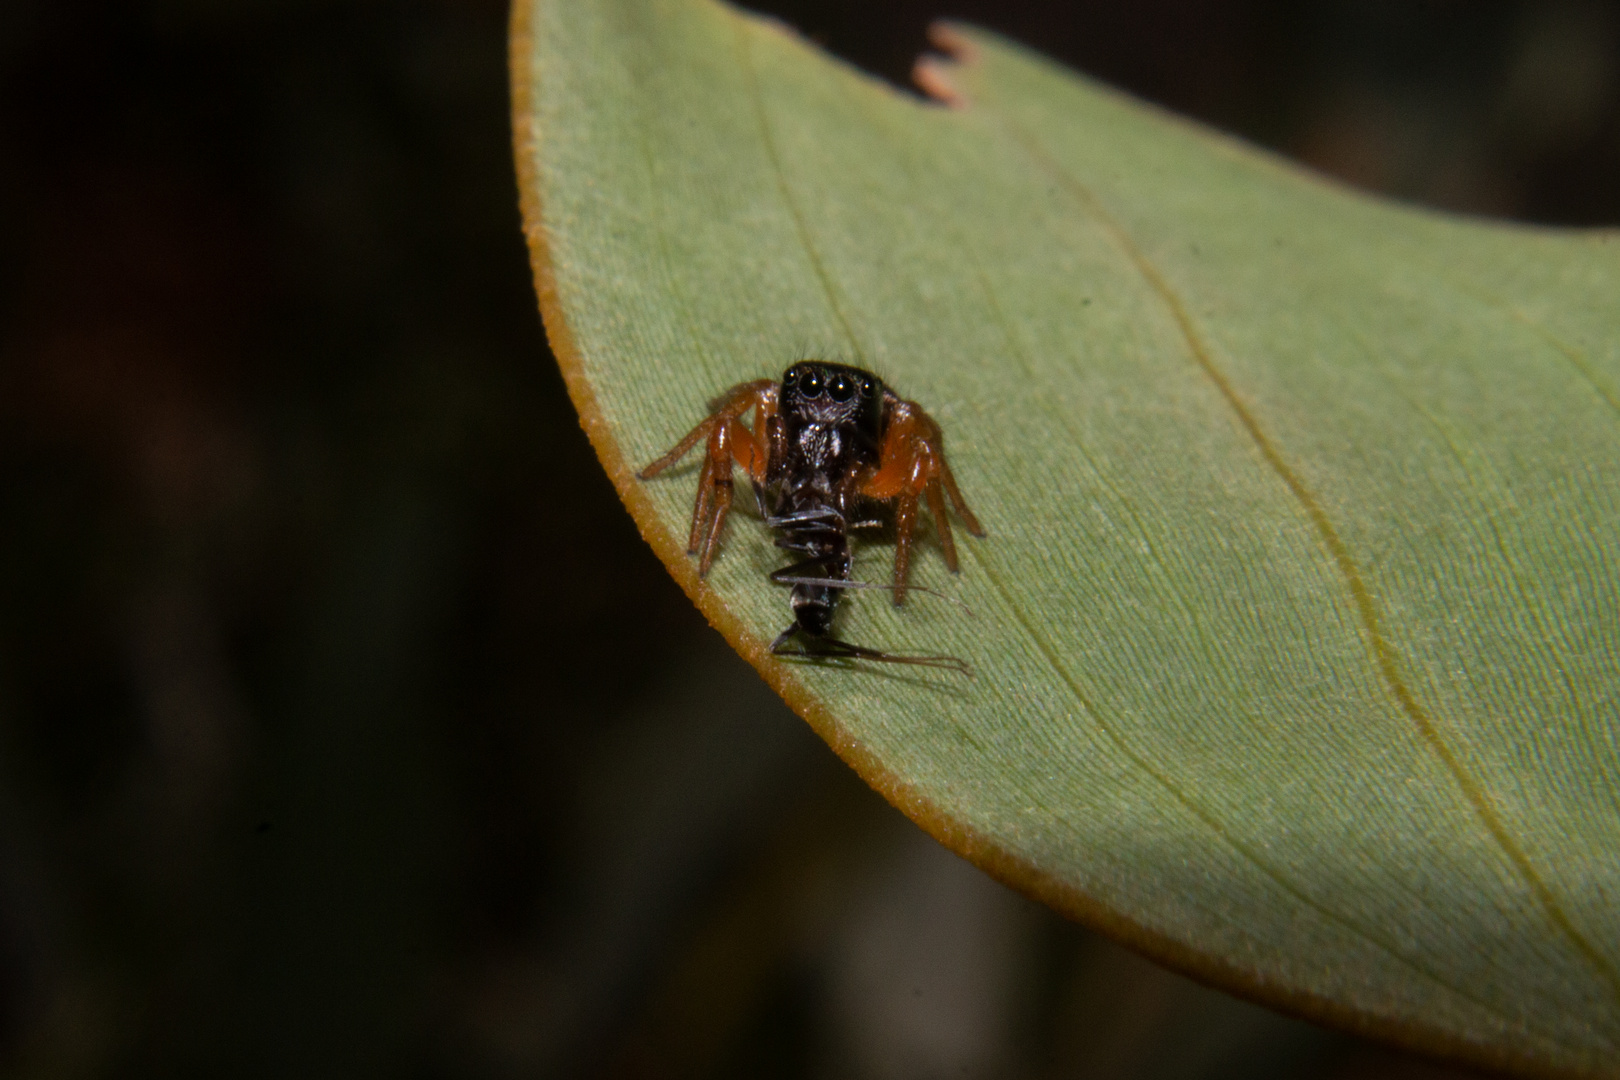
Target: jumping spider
[{"x": 825, "y": 439}]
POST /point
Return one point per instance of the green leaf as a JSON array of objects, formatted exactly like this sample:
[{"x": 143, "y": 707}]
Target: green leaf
[{"x": 1296, "y": 631}]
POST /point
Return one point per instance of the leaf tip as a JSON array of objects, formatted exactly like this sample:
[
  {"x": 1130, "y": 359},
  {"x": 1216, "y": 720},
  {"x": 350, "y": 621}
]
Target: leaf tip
[{"x": 932, "y": 72}]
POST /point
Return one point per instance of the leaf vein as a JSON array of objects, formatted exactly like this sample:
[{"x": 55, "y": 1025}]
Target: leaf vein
[
  {"x": 1047, "y": 650},
  {"x": 756, "y": 95},
  {"x": 1207, "y": 818},
  {"x": 1383, "y": 652}
]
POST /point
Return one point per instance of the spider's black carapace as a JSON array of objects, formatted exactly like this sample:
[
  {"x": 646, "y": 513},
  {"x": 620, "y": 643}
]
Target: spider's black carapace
[{"x": 826, "y": 438}]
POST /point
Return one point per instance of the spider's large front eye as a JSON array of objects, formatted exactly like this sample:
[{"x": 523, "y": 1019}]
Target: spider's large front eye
[
  {"x": 810, "y": 384},
  {"x": 840, "y": 387}
]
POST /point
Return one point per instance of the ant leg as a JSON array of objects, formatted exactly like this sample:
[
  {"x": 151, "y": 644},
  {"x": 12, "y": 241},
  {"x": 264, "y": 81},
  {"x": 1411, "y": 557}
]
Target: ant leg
[
  {"x": 796, "y": 575},
  {"x": 819, "y": 520}
]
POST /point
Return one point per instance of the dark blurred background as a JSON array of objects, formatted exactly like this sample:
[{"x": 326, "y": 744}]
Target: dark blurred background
[{"x": 346, "y": 726}]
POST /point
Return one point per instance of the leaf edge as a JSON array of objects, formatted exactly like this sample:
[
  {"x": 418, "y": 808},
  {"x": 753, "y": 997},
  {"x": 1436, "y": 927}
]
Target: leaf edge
[{"x": 932, "y": 73}]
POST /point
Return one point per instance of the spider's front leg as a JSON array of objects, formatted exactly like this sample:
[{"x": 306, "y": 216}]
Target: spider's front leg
[
  {"x": 912, "y": 466},
  {"x": 729, "y": 441}
]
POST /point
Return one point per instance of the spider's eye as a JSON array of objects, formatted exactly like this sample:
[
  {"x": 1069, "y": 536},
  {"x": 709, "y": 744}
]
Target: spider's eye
[
  {"x": 810, "y": 384},
  {"x": 867, "y": 386},
  {"x": 787, "y": 380},
  {"x": 840, "y": 387}
]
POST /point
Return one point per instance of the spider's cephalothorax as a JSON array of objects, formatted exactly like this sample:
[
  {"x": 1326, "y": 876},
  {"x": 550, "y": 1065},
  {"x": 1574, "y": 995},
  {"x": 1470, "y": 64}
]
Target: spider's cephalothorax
[{"x": 824, "y": 439}]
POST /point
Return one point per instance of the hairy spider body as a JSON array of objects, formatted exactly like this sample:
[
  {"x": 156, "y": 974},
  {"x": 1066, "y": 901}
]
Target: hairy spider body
[
  {"x": 826, "y": 446},
  {"x": 825, "y": 439}
]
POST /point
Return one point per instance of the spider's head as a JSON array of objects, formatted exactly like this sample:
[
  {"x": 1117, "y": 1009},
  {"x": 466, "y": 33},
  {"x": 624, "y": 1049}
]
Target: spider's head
[{"x": 816, "y": 392}]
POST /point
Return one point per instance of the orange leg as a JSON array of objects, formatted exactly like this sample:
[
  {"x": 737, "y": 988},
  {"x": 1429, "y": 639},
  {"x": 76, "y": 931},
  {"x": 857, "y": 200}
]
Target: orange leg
[
  {"x": 905, "y": 523},
  {"x": 912, "y": 465},
  {"x": 957, "y": 501},
  {"x": 947, "y": 542},
  {"x": 729, "y": 442}
]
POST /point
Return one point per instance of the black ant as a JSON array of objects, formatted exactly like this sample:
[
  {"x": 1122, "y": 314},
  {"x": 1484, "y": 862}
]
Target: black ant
[{"x": 824, "y": 439}]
